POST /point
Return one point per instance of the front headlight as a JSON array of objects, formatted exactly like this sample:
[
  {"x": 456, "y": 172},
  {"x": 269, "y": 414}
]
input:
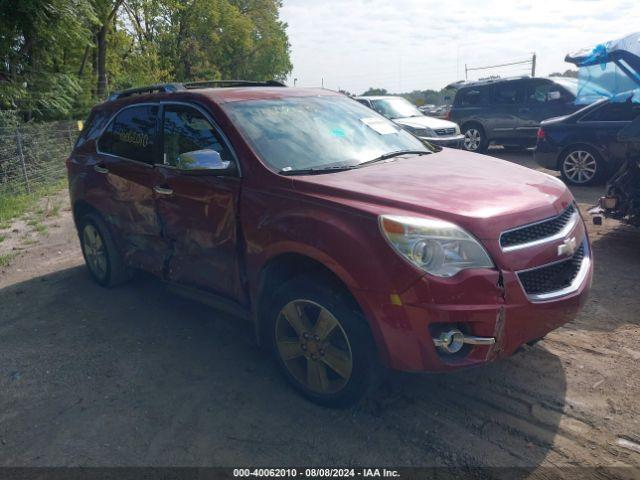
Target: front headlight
[
  {"x": 435, "y": 246},
  {"x": 420, "y": 132}
]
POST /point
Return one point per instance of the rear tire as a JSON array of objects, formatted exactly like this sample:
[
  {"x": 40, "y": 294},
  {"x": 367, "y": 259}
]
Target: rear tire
[
  {"x": 581, "y": 166},
  {"x": 104, "y": 262},
  {"x": 322, "y": 343},
  {"x": 475, "y": 140}
]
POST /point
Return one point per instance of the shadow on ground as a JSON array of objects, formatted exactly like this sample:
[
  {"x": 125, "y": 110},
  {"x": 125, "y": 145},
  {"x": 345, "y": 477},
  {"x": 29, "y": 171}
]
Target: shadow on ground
[{"x": 137, "y": 376}]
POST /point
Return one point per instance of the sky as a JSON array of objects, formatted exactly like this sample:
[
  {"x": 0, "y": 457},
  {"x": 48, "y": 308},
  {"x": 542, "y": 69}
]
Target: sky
[{"x": 405, "y": 45}]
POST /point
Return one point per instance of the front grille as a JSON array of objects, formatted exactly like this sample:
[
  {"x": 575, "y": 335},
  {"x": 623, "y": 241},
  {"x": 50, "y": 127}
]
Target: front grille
[
  {"x": 537, "y": 231},
  {"x": 445, "y": 131},
  {"x": 553, "y": 277}
]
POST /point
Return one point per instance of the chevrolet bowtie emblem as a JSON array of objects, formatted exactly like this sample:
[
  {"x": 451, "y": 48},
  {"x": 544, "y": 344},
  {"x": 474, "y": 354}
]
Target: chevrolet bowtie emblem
[{"x": 568, "y": 247}]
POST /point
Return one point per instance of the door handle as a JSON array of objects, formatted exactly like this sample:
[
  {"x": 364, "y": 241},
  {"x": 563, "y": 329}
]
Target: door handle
[
  {"x": 162, "y": 190},
  {"x": 100, "y": 169}
]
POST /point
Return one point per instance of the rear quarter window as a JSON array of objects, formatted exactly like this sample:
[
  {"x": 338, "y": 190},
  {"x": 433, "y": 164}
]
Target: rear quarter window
[{"x": 93, "y": 126}]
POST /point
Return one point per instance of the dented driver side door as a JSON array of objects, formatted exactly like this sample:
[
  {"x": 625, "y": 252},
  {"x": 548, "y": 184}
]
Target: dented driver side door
[{"x": 198, "y": 209}]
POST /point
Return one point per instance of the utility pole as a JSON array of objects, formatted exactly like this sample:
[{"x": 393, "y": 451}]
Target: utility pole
[{"x": 533, "y": 65}]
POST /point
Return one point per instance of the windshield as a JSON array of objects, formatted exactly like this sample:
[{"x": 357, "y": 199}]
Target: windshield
[
  {"x": 317, "y": 132},
  {"x": 396, "y": 108}
]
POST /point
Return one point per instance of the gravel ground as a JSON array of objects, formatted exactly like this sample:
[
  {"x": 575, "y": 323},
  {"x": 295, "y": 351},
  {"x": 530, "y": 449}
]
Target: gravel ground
[{"x": 137, "y": 376}]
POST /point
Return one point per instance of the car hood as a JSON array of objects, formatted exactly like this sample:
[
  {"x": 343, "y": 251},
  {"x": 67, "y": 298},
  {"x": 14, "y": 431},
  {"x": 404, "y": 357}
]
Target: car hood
[
  {"x": 424, "y": 121},
  {"x": 482, "y": 194}
]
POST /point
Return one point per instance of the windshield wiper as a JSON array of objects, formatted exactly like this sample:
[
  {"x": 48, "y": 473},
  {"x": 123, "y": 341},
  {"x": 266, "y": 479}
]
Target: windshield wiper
[
  {"x": 317, "y": 170},
  {"x": 397, "y": 153},
  {"x": 341, "y": 168}
]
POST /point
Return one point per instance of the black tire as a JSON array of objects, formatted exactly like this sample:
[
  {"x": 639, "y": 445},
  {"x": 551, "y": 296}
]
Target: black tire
[
  {"x": 115, "y": 272},
  {"x": 365, "y": 372},
  {"x": 576, "y": 164},
  {"x": 475, "y": 139}
]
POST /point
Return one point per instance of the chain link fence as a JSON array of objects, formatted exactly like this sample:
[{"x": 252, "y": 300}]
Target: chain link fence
[{"x": 33, "y": 155}]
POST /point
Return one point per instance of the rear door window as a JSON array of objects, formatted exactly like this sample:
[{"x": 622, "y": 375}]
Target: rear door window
[
  {"x": 471, "y": 96},
  {"x": 132, "y": 134},
  {"x": 508, "y": 93},
  {"x": 186, "y": 129}
]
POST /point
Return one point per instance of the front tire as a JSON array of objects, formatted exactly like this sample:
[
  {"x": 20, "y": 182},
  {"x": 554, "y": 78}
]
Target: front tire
[
  {"x": 475, "y": 140},
  {"x": 581, "y": 166},
  {"x": 322, "y": 343},
  {"x": 103, "y": 260}
]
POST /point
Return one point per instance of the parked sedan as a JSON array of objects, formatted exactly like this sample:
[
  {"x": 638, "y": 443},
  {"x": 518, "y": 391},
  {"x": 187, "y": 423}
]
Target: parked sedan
[
  {"x": 583, "y": 146},
  {"x": 405, "y": 114}
]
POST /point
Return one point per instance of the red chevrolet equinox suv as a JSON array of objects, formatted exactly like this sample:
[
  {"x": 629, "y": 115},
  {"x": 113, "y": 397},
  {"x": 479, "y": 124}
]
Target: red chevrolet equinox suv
[{"x": 351, "y": 245}]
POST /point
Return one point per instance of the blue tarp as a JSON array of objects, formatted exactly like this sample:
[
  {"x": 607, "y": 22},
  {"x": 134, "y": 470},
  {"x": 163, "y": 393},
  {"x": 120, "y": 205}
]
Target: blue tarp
[{"x": 611, "y": 67}]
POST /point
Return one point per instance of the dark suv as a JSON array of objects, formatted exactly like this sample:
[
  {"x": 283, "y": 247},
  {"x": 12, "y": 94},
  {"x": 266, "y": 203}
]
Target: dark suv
[
  {"x": 509, "y": 111},
  {"x": 347, "y": 241}
]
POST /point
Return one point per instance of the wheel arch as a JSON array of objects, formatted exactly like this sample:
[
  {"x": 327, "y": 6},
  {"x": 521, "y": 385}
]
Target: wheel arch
[
  {"x": 82, "y": 208},
  {"x": 286, "y": 266},
  {"x": 469, "y": 123}
]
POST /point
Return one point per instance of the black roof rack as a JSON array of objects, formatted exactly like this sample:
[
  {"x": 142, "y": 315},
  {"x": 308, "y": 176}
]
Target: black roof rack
[
  {"x": 176, "y": 87},
  {"x": 160, "y": 87},
  {"x": 484, "y": 81},
  {"x": 232, "y": 83}
]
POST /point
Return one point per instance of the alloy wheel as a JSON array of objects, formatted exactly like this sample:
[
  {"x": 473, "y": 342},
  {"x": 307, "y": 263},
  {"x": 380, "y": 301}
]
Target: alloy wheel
[
  {"x": 94, "y": 251},
  {"x": 580, "y": 166},
  {"x": 313, "y": 347},
  {"x": 472, "y": 139}
]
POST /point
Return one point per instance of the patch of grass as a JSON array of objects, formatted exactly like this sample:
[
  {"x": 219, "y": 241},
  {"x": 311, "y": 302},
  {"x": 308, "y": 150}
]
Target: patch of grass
[
  {"x": 5, "y": 259},
  {"x": 14, "y": 205},
  {"x": 2, "y": 237},
  {"x": 55, "y": 210},
  {"x": 40, "y": 228}
]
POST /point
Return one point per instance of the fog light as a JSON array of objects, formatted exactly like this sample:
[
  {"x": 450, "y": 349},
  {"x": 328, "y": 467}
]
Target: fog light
[
  {"x": 609, "y": 202},
  {"x": 453, "y": 340},
  {"x": 450, "y": 342}
]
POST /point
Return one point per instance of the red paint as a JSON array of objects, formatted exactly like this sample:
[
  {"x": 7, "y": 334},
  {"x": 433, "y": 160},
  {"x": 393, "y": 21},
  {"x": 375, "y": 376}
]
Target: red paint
[{"x": 224, "y": 230}]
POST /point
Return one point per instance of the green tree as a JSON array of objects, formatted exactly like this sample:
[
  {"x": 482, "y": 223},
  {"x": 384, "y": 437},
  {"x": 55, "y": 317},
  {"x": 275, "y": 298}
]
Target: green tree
[
  {"x": 40, "y": 41},
  {"x": 376, "y": 91}
]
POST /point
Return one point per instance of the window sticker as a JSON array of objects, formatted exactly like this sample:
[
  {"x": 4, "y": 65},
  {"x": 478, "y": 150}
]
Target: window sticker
[{"x": 379, "y": 125}]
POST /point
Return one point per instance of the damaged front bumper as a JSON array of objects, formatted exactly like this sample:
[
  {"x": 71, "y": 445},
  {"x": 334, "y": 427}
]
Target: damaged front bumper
[{"x": 489, "y": 308}]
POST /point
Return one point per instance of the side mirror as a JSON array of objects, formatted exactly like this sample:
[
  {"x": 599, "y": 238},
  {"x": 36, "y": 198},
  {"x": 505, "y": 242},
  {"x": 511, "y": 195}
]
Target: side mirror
[{"x": 203, "y": 161}]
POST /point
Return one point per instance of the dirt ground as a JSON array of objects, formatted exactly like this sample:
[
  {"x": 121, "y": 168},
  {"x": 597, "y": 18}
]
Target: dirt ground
[{"x": 138, "y": 376}]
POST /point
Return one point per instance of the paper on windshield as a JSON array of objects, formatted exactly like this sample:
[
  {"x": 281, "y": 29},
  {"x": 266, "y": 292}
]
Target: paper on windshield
[{"x": 383, "y": 127}]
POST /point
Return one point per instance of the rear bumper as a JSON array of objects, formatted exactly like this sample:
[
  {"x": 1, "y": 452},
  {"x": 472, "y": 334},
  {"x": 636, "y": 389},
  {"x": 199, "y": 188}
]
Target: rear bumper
[
  {"x": 477, "y": 303},
  {"x": 546, "y": 156},
  {"x": 453, "y": 141}
]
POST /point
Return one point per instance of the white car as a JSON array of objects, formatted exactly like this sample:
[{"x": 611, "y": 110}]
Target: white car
[{"x": 407, "y": 115}]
